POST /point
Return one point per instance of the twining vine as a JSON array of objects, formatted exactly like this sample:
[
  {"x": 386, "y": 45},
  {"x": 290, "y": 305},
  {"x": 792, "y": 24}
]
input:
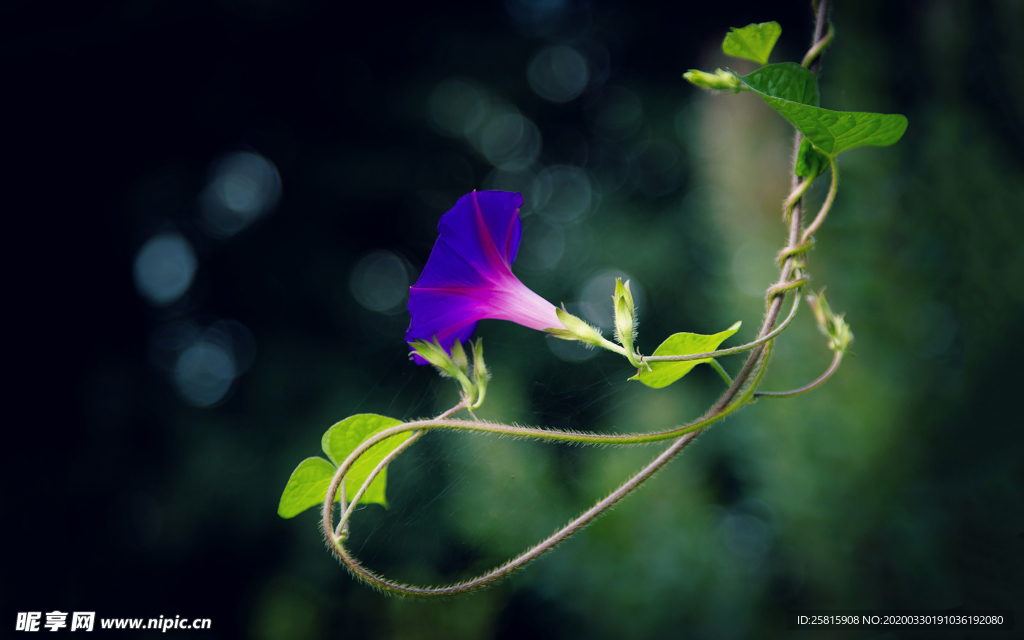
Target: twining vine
[{"x": 468, "y": 278}]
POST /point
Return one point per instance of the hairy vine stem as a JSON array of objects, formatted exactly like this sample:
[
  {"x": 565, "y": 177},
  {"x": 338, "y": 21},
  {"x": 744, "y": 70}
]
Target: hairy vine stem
[
  {"x": 742, "y": 390},
  {"x": 347, "y": 512},
  {"x": 836, "y": 359},
  {"x": 826, "y": 206},
  {"x": 544, "y": 546}
]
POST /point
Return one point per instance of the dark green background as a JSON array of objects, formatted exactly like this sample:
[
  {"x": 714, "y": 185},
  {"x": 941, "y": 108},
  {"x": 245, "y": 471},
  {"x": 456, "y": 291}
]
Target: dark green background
[{"x": 897, "y": 485}]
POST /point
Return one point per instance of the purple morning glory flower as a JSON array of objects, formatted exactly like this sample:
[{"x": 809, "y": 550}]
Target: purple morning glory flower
[{"x": 468, "y": 276}]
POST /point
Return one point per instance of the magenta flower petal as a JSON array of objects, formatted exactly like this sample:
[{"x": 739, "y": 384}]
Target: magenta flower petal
[{"x": 468, "y": 276}]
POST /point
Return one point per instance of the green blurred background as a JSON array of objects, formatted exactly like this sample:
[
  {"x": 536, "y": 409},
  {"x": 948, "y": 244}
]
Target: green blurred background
[{"x": 217, "y": 208}]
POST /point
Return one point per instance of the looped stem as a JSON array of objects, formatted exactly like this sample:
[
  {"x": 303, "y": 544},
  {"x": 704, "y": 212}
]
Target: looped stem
[
  {"x": 832, "y": 368},
  {"x": 347, "y": 513},
  {"x": 794, "y": 197},
  {"x": 795, "y": 251},
  {"x": 816, "y": 50},
  {"x": 339, "y": 477},
  {"x": 833, "y": 188},
  {"x": 781, "y": 288},
  {"x": 337, "y": 545}
]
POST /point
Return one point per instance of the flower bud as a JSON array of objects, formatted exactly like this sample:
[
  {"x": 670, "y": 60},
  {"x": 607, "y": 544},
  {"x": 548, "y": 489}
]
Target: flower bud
[
  {"x": 721, "y": 80},
  {"x": 832, "y": 325},
  {"x": 459, "y": 356},
  {"x": 576, "y": 329},
  {"x": 480, "y": 373},
  {"x": 625, "y": 320}
]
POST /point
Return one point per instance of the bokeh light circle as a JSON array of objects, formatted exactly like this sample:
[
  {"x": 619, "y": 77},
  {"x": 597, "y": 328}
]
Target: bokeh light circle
[
  {"x": 380, "y": 282},
  {"x": 164, "y": 268},
  {"x": 558, "y": 73},
  {"x": 566, "y": 192},
  {"x": 510, "y": 142},
  {"x": 204, "y": 372},
  {"x": 243, "y": 187},
  {"x": 456, "y": 107}
]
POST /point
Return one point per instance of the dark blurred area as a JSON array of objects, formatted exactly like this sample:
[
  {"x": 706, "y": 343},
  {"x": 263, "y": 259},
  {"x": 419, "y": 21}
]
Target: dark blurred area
[{"x": 214, "y": 210}]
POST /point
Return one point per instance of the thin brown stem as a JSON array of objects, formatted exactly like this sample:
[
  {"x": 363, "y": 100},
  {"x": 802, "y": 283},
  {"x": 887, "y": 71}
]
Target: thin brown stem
[
  {"x": 838, "y": 358},
  {"x": 339, "y": 476},
  {"x": 347, "y": 513},
  {"x": 389, "y": 586}
]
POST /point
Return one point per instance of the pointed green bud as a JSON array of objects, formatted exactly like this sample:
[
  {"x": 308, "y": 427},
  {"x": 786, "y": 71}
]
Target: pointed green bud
[
  {"x": 719, "y": 80},
  {"x": 576, "y": 329},
  {"x": 480, "y": 373},
  {"x": 459, "y": 356},
  {"x": 625, "y": 320},
  {"x": 831, "y": 324}
]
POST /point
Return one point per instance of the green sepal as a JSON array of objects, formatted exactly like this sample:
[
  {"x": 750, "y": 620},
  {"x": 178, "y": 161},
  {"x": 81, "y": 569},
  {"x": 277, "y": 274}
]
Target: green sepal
[
  {"x": 459, "y": 357},
  {"x": 663, "y": 374},
  {"x": 786, "y": 88},
  {"x": 307, "y": 487},
  {"x": 435, "y": 354},
  {"x": 343, "y": 438},
  {"x": 810, "y": 163},
  {"x": 625, "y": 320},
  {"x": 575, "y": 329},
  {"x": 752, "y": 42},
  {"x": 480, "y": 373}
]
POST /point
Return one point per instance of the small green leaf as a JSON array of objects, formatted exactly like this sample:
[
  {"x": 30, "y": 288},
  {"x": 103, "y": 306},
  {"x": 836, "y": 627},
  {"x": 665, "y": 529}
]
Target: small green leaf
[
  {"x": 810, "y": 163},
  {"x": 786, "y": 80},
  {"x": 752, "y": 42},
  {"x": 307, "y": 487},
  {"x": 788, "y": 90},
  {"x": 343, "y": 438},
  {"x": 663, "y": 374}
]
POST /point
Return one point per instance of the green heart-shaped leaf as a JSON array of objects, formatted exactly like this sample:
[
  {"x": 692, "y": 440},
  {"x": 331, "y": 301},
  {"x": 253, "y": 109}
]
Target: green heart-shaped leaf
[
  {"x": 786, "y": 80},
  {"x": 307, "y": 487},
  {"x": 663, "y": 374},
  {"x": 343, "y": 438},
  {"x": 785, "y": 88},
  {"x": 752, "y": 42}
]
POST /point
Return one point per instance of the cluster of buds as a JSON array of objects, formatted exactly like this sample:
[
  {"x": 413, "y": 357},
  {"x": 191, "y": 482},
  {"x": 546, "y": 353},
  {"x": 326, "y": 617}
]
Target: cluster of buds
[
  {"x": 456, "y": 365},
  {"x": 625, "y": 326},
  {"x": 832, "y": 325}
]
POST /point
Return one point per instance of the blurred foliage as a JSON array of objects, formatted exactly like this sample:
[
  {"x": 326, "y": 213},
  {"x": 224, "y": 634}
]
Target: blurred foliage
[{"x": 896, "y": 485}]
